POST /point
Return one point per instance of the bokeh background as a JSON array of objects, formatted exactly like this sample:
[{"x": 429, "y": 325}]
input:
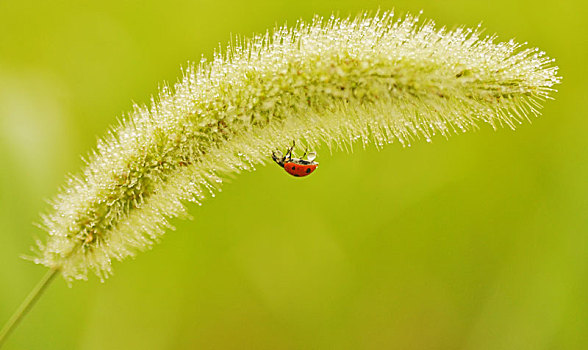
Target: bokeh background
[{"x": 476, "y": 242}]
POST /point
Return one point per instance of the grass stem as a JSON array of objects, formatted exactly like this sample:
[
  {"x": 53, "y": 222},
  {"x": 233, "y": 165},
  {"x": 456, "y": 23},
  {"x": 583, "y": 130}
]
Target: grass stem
[{"x": 27, "y": 304}]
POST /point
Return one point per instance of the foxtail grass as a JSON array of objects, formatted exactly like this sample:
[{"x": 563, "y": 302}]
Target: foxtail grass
[{"x": 370, "y": 79}]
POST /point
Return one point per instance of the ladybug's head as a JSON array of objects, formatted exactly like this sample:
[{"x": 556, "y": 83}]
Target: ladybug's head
[{"x": 279, "y": 158}]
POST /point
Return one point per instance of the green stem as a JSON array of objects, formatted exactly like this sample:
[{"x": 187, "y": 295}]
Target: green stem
[{"x": 27, "y": 304}]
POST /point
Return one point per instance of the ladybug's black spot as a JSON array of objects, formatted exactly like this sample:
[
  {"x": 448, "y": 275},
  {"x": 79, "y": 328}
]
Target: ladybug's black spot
[
  {"x": 296, "y": 175},
  {"x": 293, "y": 168},
  {"x": 308, "y": 170}
]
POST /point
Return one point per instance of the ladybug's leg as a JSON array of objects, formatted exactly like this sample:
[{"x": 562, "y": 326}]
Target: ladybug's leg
[
  {"x": 305, "y": 152},
  {"x": 289, "y": 153}
]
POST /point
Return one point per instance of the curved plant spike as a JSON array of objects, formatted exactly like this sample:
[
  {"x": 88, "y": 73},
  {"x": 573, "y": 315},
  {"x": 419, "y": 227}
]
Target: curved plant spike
[{"x": 370, "y": 79}]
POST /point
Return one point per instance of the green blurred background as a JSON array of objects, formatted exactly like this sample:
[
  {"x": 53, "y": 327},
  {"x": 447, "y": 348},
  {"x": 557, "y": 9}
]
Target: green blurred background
[{"x": 476, "y": 242}]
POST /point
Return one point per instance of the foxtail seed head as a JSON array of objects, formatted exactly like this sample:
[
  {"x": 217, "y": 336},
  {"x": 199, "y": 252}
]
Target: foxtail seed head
[{"x": 369, "y": 79}]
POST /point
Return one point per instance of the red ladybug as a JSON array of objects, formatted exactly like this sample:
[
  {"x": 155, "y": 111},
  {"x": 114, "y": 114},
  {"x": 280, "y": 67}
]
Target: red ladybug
[{"x": 296, "y": 166}]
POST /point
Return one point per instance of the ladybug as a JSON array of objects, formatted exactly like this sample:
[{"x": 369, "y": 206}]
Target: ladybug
[{"x": 295, "y": 166}]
